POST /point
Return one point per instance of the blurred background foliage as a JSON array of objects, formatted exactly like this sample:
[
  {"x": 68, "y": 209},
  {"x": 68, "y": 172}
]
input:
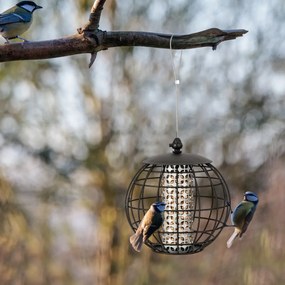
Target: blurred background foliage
[{"x": 71, "y": 139}]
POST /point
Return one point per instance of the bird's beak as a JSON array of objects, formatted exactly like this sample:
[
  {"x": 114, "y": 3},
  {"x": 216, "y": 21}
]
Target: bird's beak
[{"x": 39, "y": 7}]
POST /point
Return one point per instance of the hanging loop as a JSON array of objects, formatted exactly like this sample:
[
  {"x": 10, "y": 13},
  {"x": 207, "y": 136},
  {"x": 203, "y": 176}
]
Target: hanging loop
[{"x": 176, "y": 81}]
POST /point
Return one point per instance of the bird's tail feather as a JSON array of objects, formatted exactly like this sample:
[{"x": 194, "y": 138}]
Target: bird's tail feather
[
  {"x": 136, "y": 241},
  {"x": 232, "y": 238}
]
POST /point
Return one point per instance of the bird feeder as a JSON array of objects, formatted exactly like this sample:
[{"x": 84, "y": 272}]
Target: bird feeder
[{"x": 196, "y": 196}]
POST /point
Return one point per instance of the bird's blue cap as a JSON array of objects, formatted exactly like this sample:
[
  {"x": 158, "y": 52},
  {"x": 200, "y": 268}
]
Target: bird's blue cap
[
  {"x": 251, "y": 196},
  {"x": 159, "y": 206},
  {"x": 159, "y": 203}
]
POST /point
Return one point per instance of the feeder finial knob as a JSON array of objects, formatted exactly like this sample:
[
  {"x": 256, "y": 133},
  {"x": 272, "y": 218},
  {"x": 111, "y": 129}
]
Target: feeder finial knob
[{"x": 176, "y": 145}]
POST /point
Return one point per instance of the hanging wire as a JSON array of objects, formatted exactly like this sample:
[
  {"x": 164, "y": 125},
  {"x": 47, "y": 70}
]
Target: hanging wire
[{"x": 176, "y": 82}]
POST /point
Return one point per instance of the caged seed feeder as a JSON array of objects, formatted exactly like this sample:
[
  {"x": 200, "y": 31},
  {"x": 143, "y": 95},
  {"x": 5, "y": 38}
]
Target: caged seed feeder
[{"x": 196, "y": 196}]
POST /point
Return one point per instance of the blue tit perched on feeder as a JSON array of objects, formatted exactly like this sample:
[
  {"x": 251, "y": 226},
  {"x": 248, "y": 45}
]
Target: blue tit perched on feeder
[
  {"x": 242, "y": 215},
  {"x": 17, "y": 20},
  {"x": 151, "y": 221}
]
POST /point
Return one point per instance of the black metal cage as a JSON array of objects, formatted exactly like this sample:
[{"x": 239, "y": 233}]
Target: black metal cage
[{"x": 196, "y": 196}]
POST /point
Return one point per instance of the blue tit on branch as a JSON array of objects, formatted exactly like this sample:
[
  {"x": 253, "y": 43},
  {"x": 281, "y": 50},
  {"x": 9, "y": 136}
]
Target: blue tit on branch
[
  {"x": 242, "y": 215},
  {"x": 151, "y": 221},
  {"x": 17, "y": 20}
]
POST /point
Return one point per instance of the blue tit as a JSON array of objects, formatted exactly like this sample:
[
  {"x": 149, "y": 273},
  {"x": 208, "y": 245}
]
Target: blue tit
[
  {"x": 242, "y": 215},
  {"x": 17, "y": 20},
  {"x": 151, "y": 221}
]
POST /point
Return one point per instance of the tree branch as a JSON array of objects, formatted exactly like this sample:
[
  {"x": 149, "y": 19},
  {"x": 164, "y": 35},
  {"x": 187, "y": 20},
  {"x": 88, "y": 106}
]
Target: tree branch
[
  {"x": 99, "y": 40},
  {"x": 91, "y": 40},
  {"x": 208, "y": 38}
]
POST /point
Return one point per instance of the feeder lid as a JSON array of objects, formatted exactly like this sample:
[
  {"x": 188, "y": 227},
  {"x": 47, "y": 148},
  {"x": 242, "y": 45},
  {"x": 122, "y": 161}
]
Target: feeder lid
[{"x": 177, "y": 159}]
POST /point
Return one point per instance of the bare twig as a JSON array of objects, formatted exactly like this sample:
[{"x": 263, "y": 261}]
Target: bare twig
[
  {"x": 95, "y": 15},
  {"x": 89, "y": 30}
]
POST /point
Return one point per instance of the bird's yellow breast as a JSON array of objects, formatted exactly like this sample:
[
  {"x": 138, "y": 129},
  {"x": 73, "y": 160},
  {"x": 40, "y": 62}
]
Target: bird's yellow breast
[{"x": 241, "y": 212}]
